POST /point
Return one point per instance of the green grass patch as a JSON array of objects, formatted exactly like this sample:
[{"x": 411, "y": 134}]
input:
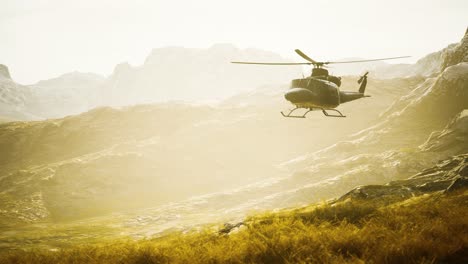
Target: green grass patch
[{"x": 426, "y": 229}]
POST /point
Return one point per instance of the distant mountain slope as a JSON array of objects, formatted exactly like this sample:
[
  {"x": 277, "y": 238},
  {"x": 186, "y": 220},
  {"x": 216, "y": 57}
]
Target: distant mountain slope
[
  {"x": 168, "y": 74},
  {"x": 68, "y": 94},
  {"x": 177, "y": 73},
  {"x": 14, "y": 98}
]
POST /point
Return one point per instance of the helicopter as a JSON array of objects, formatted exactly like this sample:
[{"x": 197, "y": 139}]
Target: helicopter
[{"x": 320, "y": 91}]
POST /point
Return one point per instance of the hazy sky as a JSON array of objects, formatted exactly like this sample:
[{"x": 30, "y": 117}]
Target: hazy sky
[{"x": 41, "y": 39}]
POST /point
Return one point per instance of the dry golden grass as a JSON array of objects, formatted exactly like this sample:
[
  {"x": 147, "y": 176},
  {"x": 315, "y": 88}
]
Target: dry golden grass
[{"x": 426, "y": 229}]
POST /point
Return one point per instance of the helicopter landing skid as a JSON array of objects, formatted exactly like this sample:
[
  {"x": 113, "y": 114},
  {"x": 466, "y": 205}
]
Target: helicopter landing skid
[
  {"x": 327, "y": 114},
  {"x": 294, "y": 116},
  {"x": 312, "y": 109}
]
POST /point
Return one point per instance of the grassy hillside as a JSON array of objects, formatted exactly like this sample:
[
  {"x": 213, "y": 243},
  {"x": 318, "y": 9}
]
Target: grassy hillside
[
  {"x": 425, "y": 229},
  {"x": 421, "y": 219}
]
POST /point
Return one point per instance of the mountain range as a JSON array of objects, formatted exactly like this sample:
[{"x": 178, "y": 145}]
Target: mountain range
[
  {"x": 154, "y": 167},
  {"x": 168, "y": 74},
  {"x": 176, "y": 74}
]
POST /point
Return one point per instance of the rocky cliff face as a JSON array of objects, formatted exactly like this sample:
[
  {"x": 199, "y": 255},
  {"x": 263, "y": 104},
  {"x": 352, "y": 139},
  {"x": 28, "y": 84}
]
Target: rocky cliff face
[
  {"x": 437, "y": 62},
  {"x": 446, "y": 176},
  {"x": 457, "y": 53},
  {"x": 428, "y": 66}
]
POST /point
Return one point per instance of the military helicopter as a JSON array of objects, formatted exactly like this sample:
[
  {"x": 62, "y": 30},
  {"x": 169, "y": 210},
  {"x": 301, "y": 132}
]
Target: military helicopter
[{"x": 320, "y": 91}]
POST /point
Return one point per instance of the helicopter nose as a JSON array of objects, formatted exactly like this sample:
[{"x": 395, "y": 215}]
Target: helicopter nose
[{"x": 299, "y": 95}]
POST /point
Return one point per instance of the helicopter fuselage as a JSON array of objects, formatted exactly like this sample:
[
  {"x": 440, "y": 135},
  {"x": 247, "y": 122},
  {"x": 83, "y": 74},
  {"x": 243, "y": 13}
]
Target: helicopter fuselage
[
  {"x": 312, "y": 92},
  {"x": 315, "y": 92}
]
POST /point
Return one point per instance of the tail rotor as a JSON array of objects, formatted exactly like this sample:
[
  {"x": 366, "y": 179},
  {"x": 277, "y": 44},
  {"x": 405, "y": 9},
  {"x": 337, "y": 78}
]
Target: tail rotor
[{"x": 363, "y": 83}]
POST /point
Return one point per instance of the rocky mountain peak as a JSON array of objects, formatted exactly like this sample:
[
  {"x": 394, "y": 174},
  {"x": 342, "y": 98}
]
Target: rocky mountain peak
[
  {"x": 459, "y": 53},
  {"x": 4, "y": 72},
  {"x": 121, "y": 68}
]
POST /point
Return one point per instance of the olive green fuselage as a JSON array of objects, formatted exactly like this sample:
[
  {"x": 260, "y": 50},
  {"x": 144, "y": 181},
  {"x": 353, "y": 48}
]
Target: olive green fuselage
[{"x": 319, "y": 92}]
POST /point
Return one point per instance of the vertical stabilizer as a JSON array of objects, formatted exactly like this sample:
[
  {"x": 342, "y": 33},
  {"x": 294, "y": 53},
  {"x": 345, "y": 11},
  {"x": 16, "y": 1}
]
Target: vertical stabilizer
[{"x": 363, "y": 83}]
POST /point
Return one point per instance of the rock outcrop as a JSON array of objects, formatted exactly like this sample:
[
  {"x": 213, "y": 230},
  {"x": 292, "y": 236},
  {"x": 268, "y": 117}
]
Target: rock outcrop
[
  {"x": 4, "y": 72},
  {"x": 447, "y": 176}
]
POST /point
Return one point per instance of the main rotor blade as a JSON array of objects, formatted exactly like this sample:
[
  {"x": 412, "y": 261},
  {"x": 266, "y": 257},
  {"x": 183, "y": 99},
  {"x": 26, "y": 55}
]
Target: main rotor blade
[
  {"x": 272, "y": 63},
  {"x": 302, "y": 54},
  {"x": 391, "y": 58}
]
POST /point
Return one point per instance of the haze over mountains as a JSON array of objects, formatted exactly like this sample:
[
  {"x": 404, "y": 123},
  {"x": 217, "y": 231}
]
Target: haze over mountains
[
  {"x": 174, "y": 165},
  {"x": 168, "y": 74},
  {"x": 175, "y": 74}
]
